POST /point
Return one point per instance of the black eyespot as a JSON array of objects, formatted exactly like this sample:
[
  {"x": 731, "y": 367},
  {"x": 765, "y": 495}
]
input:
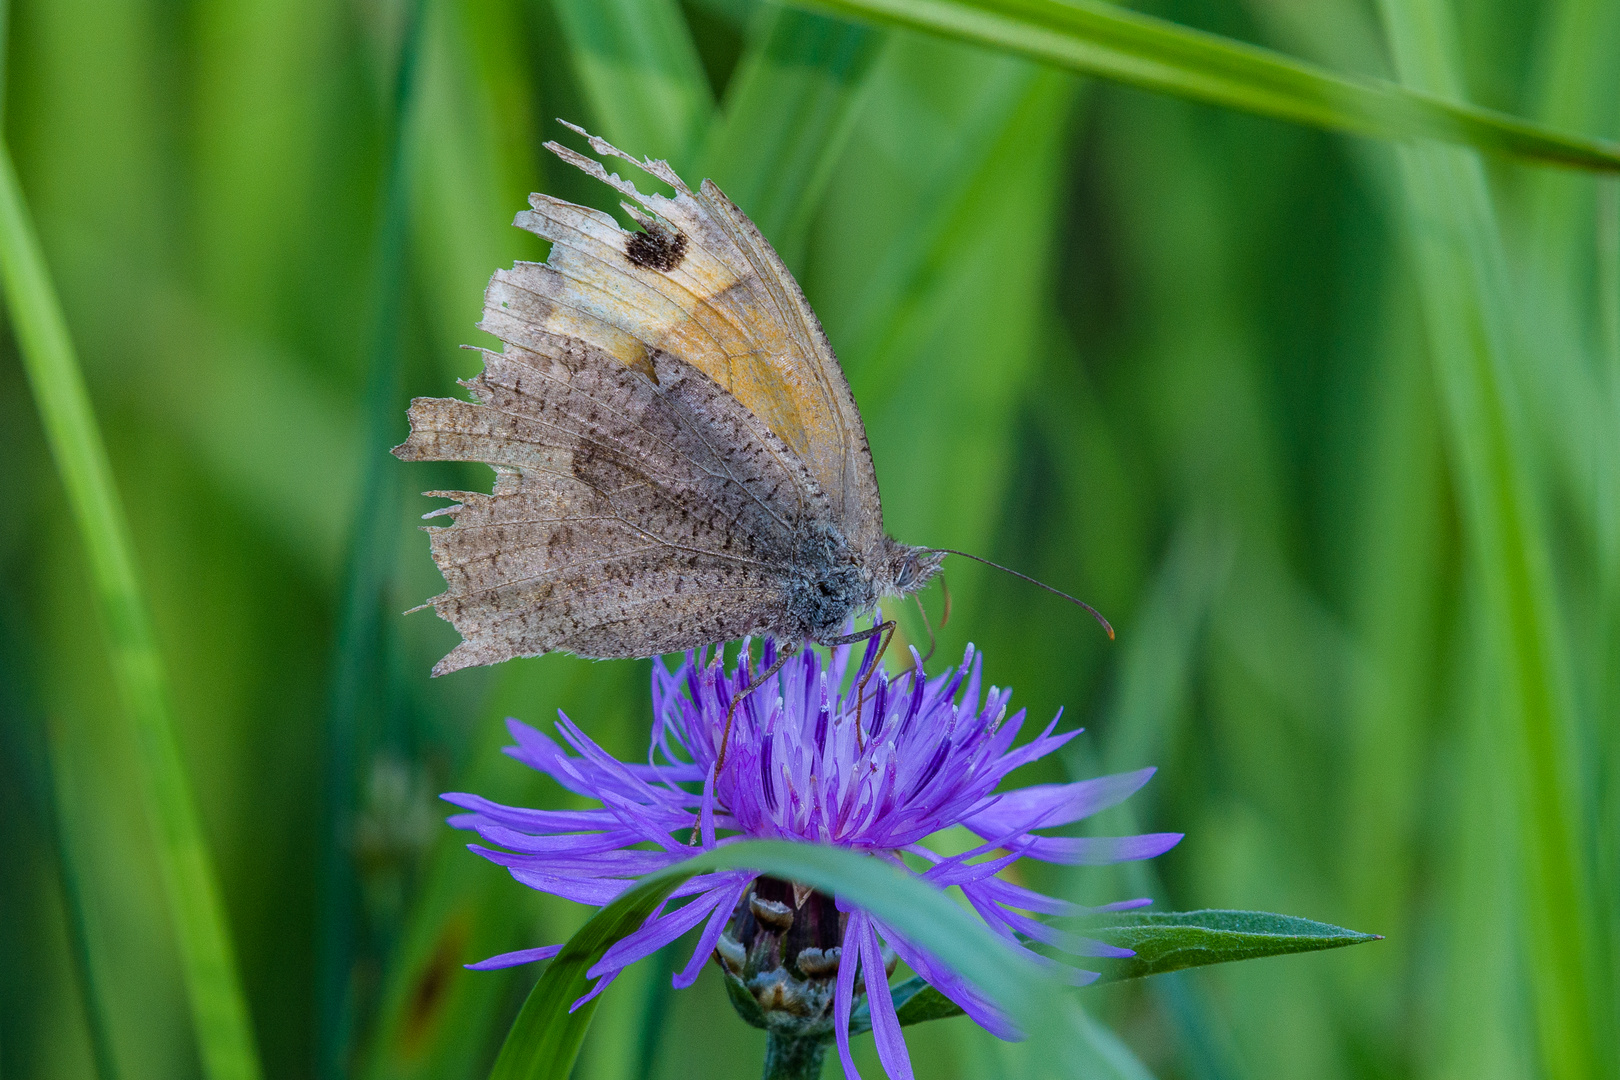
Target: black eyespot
[{"x": 656, "y": 249}]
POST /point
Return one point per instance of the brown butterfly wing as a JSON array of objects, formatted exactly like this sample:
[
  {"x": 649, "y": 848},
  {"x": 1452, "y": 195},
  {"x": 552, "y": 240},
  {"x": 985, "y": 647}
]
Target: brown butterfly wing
[
  {"x": 702, "y": 284},
  {"x": 629, "y": 518}
]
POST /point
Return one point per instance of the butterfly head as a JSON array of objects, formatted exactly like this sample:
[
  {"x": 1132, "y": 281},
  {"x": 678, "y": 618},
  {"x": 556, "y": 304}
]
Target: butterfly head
[{"x": 911, "y": 568}]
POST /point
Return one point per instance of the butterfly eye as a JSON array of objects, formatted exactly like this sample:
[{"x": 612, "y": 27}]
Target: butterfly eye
[{"x": 908, "y": 572}]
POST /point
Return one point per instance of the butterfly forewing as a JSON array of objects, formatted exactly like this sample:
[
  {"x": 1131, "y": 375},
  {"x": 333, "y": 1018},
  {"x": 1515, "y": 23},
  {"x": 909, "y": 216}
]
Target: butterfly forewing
[
  {"x": 738, "y": 316},
  {"x": 628, "y": 518}
]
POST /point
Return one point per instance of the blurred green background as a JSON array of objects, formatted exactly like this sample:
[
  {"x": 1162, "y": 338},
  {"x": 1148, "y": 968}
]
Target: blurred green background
[{"x": 1328, "y": 427}]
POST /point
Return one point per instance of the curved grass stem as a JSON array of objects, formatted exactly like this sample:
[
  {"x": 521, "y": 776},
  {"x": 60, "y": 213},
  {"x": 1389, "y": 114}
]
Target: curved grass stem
[{"x": 219, "y": 1008}]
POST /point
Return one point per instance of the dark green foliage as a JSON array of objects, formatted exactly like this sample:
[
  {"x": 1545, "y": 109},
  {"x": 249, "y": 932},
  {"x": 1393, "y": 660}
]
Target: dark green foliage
[{"x": 1170, "y": 941}]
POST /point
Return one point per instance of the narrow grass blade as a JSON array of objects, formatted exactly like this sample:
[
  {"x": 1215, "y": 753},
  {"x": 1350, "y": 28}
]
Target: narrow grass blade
[
  {"x": 911, "y": 268},
  {"x": 546, "y": 1037},
  {"x": 219, "y": 1007},
  {"x": 1114, "y": 43},
  {"x": 1549, "y": 230},
  {"x": 359, "y": 645},
  {"x": 29, "y": 747},
  {"x": 55, "y": 807},
  {"x": 1468, "y": 301},
  {"x": 1572, "y": 248},
  {"x": 640, "y": 73},
  {"x": 788, "y": 114},
  {"x": 5, "y": 40},
  {"x": 938, "y": 414}
]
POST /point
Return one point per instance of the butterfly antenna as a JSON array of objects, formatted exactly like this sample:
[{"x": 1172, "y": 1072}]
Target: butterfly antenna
[{"x": 1095, "y": 614}]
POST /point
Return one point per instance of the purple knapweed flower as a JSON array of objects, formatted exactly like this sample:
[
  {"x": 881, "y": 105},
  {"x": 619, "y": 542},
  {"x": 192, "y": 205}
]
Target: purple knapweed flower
[{"x": 923, "y": 757}]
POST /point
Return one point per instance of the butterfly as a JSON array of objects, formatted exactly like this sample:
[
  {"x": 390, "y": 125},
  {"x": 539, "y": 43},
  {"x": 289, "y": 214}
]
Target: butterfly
[{"x": 678, "y": 458}]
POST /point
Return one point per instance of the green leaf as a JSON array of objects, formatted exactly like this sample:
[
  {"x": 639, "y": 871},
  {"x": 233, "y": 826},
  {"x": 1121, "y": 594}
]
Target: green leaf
[
  {"x": 546, "y": 1037},
  {"x": 747, "y": 1005},
  {"x": 1170, "y": 941},
  {"x": 219, "y": 1008},
  {"x": 1112, "y": 43},
  {"x": 914, "y": 1002},
  {"x": 1167, "y": 941}
]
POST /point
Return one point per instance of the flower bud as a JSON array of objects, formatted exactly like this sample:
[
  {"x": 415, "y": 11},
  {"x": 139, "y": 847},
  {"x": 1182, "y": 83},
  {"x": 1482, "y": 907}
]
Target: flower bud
[{"x": 782, "y": 949}]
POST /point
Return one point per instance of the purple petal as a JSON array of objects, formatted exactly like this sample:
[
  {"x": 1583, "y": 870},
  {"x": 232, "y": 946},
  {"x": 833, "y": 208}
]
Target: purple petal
[
  {"x": 707, "y": 814},
  {"x": 711, "y": 934},
  {"x": 1019, "y": 898},
  {"x": 978, "y": 1007},
  {"x": 1117, "y": 905},
  {"x": 1063, "y": 972},
  {"x": 566, "y": 843},
  {"x": 601, "y": 984},
  {"x": 958, "y": 871},
  {"x": 513, "y": 959},
  {"x": 1016, "y": 896},
  {"x": 654, "y": 935},
  {"x": 1062, "y": 939},
  {"x": 595, "y": 891},
  {"x": 891, "y": 1045},
  {"x": 610, "y": 773},
  {"x": 844, "y": 995},
  {"x": 1100, "y": 850},
  {"x": 536, "y": 750},
  {"x": 995, "y": 918},
  {"x": 1048, "y": 805},
  {"x": 653, "y": 824},
  {"x": 703, "y": 883},
  {"x": 660, "y": 774},
  {"x": 1037, "y": 748},
  {"x": 530, "y": 820},
  {"x": 599, "y": 864}
]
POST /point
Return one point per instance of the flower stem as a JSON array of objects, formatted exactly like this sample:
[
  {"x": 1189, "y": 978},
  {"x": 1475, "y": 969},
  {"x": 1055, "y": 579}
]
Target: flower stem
[{"x": 790, "y": 1058}]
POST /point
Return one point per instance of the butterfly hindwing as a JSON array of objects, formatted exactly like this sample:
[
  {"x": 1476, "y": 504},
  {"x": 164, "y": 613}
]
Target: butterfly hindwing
[{"x": 629, "y": 517}]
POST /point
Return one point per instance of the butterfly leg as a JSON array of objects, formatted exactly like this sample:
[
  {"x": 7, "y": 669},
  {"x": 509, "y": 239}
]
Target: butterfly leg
[
  {"x": 784, "y": 654},
  {"x": 886, "y": 629}
]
